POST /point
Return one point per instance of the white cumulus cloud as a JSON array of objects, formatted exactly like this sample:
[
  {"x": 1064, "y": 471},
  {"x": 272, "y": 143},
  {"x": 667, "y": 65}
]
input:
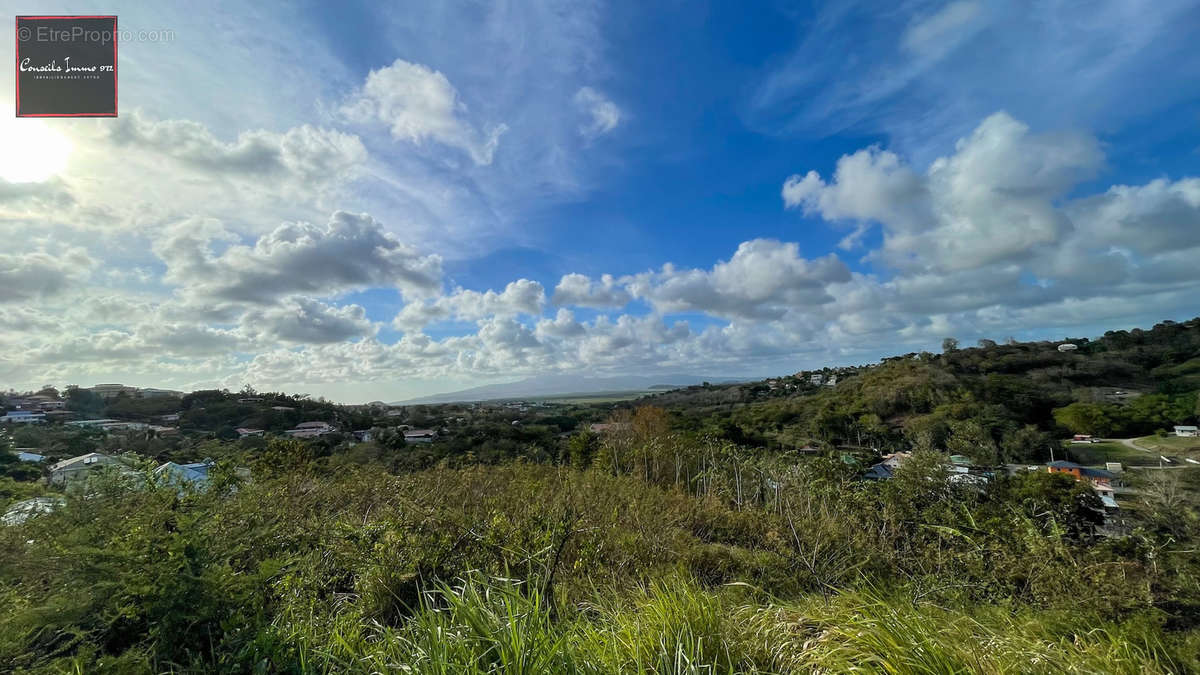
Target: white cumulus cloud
[{"x": 418, "y": 104}]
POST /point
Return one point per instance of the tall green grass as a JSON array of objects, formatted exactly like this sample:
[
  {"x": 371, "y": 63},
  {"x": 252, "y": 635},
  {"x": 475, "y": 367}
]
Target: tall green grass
[
  {"x": 504, "y": 627},
  {"x": 865, "y": 633}
]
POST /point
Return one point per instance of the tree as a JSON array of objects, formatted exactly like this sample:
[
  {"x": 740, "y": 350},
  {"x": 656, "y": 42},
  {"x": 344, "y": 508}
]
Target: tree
[
  {"x": 581, "y": 448},
  {"x": 650, "y": 422},
  {"x": 1084, "y": 418},
  {"x": 968, "y": 437},
  {"x": 1168, "y": 506},
  {"x": 949, "y": 345},
  {"x": 1027, "y": 444},
  {"x": 389, "y": 438},
  {"x": 872, "y": 428},
  {"x": 14, "y": 468},
  {"x": 1058, "y": 498},
  {"x": 84, "y": 402},
  {"x": 282, "y": 456}
]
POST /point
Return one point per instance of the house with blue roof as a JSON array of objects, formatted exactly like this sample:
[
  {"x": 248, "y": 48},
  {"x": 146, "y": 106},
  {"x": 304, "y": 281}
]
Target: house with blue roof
[{"x": 194, "y": 475}]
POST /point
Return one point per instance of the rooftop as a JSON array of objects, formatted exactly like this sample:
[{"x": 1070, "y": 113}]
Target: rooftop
[
  {"x": 90, "y": 458},
  {"x": 1083, "y": 470}
]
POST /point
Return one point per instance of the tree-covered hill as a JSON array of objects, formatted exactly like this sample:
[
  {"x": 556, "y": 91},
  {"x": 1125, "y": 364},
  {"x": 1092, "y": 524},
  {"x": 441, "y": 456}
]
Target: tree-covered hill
[{"x": 994, "y": 402}]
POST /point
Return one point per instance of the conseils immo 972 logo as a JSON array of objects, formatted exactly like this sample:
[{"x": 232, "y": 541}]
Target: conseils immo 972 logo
[{"x": 66, "y": 66}]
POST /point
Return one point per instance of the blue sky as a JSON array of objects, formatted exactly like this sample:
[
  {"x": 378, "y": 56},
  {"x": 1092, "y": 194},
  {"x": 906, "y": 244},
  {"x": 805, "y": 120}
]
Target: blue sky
[{"x": 371, "y": 202}]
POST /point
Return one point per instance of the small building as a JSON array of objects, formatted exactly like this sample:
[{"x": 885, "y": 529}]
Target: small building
[
  {"x": 42, "y": 402},
  {"x": 1100, "y": 480},
  {"x": 91, "y": 423},
  {"x": 895, "y": 459},
  {"x": 962, "y": 476},
  {"x": 181, "y": 475},
  {"x": 107, "y": 391},
  {"x": 75, "y": 468},
  {"x": 1067, "y": 347},
  {"x": 152, "y": 392},
  {"x": 23, "y": 417},
  {"x": 119, "y": 425},
  {"x": 879, "y": 471},
  {"x": 816, "y": 378},
  {"x": 887, "y": 468},
  {"x": 24, "y": 456},
  {"x": 310, "y": 430},
  {"x": 1186, "y": 431},
  {"x": 243, "y": 432},
  {"x": 420, "y": 435}
]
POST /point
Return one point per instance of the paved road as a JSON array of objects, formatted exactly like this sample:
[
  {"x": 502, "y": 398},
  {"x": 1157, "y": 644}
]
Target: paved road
[
  {"x": 1176, "y": 462},
  {"x": 1129, "y": 442}
]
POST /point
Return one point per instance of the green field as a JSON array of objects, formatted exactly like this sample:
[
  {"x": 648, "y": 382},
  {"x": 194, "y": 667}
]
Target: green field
[
  {"x": 1096, "y": 454},
  {"x": 1171, "y": 445}
]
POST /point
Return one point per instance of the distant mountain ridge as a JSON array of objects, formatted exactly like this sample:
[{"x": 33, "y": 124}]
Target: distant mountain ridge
[{"x": 557, "y": 385}]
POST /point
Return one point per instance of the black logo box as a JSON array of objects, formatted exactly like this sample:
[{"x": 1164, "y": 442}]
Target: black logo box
[{"x": 66, "y": 66}]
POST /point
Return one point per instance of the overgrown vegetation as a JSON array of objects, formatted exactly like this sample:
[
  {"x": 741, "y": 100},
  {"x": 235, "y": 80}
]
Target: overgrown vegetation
[
  {"x": 695, "y": 534},
  {"x": 526, "y": 568}
]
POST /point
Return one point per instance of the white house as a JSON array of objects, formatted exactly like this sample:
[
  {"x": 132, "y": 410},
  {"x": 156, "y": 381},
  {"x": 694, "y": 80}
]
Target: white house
[
  {"x": 310, "y": 430},
  {"x": 1186, "y": 431},
  {"x": 78, "y": 467}
]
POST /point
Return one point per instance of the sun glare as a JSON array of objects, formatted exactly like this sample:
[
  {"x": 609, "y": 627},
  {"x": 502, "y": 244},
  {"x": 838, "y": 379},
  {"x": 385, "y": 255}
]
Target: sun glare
[{"x": 31, "y": 150}]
